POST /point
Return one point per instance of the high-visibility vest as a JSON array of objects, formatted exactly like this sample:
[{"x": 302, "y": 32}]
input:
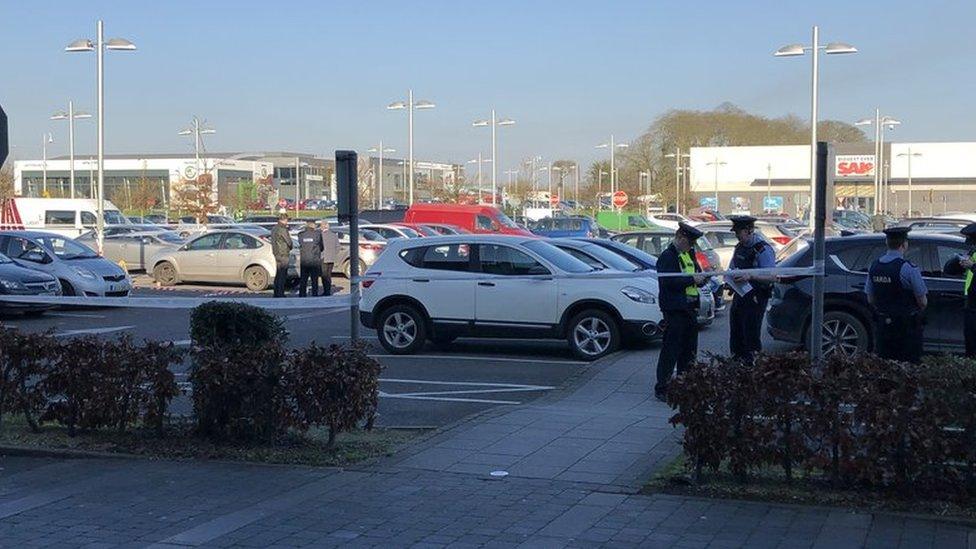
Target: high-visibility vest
[
  {"x": 969, "y": 277},
  {"x": 688, "y": 266}
]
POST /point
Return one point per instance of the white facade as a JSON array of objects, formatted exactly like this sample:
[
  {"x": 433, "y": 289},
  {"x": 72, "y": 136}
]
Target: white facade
[{"x": 739, "y": 167}]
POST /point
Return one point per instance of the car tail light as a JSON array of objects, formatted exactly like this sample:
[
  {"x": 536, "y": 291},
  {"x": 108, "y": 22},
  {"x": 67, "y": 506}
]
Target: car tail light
[
  {"x": 703, "y": 261},
  {"x": 782, "y": 239},
  {"x": 371, "y": 247},
  {"x": 367, "y": 282}
]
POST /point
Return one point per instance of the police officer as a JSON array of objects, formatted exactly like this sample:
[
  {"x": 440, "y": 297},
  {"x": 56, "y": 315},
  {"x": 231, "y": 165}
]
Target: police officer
[
  {"x": 898, "y": 294},
  {"x": 679, "y": 302},
  {"x": 956, "y": 267},
  {"x": 748, "y": 309}
]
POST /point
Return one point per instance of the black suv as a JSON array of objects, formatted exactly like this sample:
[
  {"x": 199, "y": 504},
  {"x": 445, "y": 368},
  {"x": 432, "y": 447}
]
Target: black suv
[{"x": 848, "y": 322}]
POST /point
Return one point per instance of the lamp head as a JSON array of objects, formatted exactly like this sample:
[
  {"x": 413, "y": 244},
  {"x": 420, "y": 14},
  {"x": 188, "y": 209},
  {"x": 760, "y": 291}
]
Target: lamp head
[
  {"x": 790, "y": 50},
  {"x": 82, "y": 44},
  {"x": 506, "y": 122},
  {"x": 423, "y": 105},
  {"x": 119, "y": 44},
  {"x": 60, "y": 115},
  {"x": 834, "y": 48},
  {"x": 479, "y": 123},
  {"x": 396, "y": 105}
]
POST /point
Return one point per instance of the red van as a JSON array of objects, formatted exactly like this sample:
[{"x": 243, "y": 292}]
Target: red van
[{"x": 477, "y": 219}]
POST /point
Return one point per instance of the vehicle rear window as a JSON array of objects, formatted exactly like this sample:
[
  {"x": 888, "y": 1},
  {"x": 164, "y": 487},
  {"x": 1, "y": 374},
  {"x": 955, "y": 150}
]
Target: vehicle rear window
[
  {"x": 568, "y": 224},
  {"x": 59, "y": 217},
  {"x": 448, "y": 257}
]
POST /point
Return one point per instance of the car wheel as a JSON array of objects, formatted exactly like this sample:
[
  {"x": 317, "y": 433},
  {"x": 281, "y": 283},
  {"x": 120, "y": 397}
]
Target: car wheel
[
  {"x": 256, "y": 278},
  {"x": 843, "y": 333},
  {"x": 593, "y": 334},
  {"x": 402, "y": 330},
  {"x": 67, "y": 288},
  {"x": 165, "y": 274}
]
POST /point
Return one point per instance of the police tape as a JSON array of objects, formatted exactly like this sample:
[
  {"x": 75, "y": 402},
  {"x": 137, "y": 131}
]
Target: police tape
[{"x": 343, "y": 301}]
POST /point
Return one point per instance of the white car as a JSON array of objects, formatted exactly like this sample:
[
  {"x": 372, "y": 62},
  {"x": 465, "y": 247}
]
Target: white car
[
  {"x": 668, "y": 220},
  {"x": 441, "y": 288}
]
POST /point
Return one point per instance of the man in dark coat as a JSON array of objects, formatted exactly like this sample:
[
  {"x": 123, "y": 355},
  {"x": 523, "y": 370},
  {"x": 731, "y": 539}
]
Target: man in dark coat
[
  {"x": 310, "y": 248},
  {"x": 748, "y": 308},
  {"x": 896, "y": 290},
  {"x": 679, "y": 302},
  {"x": 957, "y": 266},
  {"x": 281, "y": 246}
]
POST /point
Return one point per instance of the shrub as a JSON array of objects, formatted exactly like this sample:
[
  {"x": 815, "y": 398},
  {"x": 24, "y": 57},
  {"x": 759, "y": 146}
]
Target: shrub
[
  {"x": 24, "y": 359},
  {"x": 331, "y": 386},
  {"x": 237, "y": 390},
  {"x": 226, "y": 324},
  {"x": 151, "y": 381},
  {"x": 863, "y": 420}
]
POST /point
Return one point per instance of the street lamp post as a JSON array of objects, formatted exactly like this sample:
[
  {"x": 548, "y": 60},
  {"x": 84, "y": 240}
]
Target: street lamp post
[
  {"x": 409, "y": 105},
  {"x": 379, "y": 189},
  {"x": 481, "y": 160},
  {"x": 909, "y": 156},
  {"x": 880, "y": 123},
  {"x": 832, "y": 48},
  {"x": 196, "y": 131},
  {"x": 99, "y": 47},
  {"x": 716, "y": 163},
  {"x": 493, "y": 123},
  {"x": 613, "y": 146},
  {"x": 45, "y": 139},
  {"x": 677, "y": 156},
  {"x": 510, "y": 173},
  {"x": 71, "y": 116}
]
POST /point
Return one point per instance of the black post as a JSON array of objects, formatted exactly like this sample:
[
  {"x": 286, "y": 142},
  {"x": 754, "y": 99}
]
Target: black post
[
  {"x": 4, "y": 148},
  {"x": 824, "y": 154},
  {"x": 347, "y": 188}
]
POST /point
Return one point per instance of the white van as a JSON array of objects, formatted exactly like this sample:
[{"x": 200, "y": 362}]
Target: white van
[{"x": 64, "y": 216}]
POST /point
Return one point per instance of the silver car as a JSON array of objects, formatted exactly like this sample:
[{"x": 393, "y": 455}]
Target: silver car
[
  {"x": 235, "y": 257},
  {"x": 77, "y": 267},
  {"x": 133, "y": 250}
]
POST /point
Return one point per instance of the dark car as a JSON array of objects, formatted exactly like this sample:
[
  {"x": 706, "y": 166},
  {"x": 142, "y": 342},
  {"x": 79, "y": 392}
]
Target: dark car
[
  {"x": 20, "y": 281},
  {"x": 934, "y": 225},
  {"x": 569, "y": 227},
  {"x": 848, "y": 321},
  {"x": 654, "y": 242}
]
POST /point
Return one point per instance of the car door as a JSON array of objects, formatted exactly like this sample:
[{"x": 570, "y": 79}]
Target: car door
[
  {"x": 517, "y": 290},
  {"x": 442, "y": 281},
  {"x": 198, "y": 261},
  {"x": 946, "y": 299},
  {"x": 236, "y": 252}
]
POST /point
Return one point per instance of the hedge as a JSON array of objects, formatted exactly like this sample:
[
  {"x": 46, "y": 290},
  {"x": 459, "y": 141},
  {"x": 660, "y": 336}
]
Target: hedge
[{"x": 861, "y": 421}]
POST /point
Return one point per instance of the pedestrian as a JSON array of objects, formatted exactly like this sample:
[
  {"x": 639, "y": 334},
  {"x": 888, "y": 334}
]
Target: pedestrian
[
  {"x": 896, "y": 291},
  {"x": 310, "y": 258},
  {"x": 679, "y": 298},
  {"x": 956, "y": 267},
  {"x": 330, "y": 252},
  {"x": 281, "y": 246},
  {"x": 753, "y": 291}
]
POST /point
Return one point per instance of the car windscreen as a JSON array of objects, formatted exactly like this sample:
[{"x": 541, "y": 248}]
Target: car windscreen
[
  {"x": 115, "y": 217},
  {"x": 505, "y": 221},
  {"x": 557, "y": 257},
  {"x": 4, "y": 259},
  {"x": 612, "y": 260},
  {"x": 169, "y": 237},
  {"x": 65, "y": 248}
]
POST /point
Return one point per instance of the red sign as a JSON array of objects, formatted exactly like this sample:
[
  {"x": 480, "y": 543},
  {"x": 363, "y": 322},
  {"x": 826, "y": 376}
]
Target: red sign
[
  {"x": 854, "y": 165},
  {"x": 619, "y": 199},
  {"x": 554, "y": 201}
]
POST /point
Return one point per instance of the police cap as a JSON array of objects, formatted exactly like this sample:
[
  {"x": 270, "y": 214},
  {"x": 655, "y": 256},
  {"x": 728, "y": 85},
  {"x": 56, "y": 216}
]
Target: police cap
[
  {"x": 740, "y": 222},
  {"x": 969, "y": 231},
  {"x": 689, "y": 231},
  {"x": 897, "y": 232}
]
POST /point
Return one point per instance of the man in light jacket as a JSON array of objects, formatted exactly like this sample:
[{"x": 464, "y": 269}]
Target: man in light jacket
[{"x": 330, "y": 252}]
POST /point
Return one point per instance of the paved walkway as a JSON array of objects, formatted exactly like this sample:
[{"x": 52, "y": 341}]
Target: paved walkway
[{"x": 574, "y": 460}]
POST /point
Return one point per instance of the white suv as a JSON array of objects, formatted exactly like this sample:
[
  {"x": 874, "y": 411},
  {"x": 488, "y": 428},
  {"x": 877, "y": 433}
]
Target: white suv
[{"x": 440, "y": 288}]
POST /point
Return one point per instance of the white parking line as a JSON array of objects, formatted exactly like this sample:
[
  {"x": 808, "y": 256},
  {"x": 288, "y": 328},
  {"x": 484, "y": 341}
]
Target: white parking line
[
  {"x": 94, "y": 331},
  {"x": 487, "y": 358},
  {"x": 74, "y": 315},
  {"x": 303, "y": 316},
  {"x": 467, "y": 383},
  {"x": 447, "y": 399}
]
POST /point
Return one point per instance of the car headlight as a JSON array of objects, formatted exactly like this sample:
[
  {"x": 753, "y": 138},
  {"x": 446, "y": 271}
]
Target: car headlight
[
  {"x": 638, "y": 295},
  {"x": 12, "y": 285},
  {"x": 84, "y": 273}
]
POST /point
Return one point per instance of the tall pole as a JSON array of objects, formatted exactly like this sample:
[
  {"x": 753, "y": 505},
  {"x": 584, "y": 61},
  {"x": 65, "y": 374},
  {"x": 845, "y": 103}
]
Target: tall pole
[
  {"x": 717, "y": 209},
  {"x": 494, "y": 160},
  {"x": 613, "y": 171},
  {"x": 677, "y": 179},
  {"x": 100, "y": 221},
  {"x": 379, "y": 189},
  {"x": 480, "y": 160},
  {"x": 815, "y": 69},
  {"x": 881, "y": 163},
  {"x": 877, "y": 161},
  {"x": 549, "y": 171},
  {"x": 44, "y": 164},
  {"x": 297, "y": 185},
  {"x": 410, "y": 138},
  {"x": 576, "y": 186},
  {"x": 196, "y": 143},
  {"x": 71, "y": 146},
  {"x": 910, "y": 183},
  {"x": 91, "y": 177},
  {"x": 769, "y": 181},
  {"x": 818, "y": 213}
]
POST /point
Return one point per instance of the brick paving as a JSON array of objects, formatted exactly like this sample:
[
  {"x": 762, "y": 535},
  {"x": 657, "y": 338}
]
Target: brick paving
[{"x": 574, "y": 458}]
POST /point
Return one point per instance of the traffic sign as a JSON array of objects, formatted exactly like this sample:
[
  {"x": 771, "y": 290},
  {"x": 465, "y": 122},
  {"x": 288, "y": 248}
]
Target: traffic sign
[
  {"x": 554, "y": 200},
  {"x": 619, "y": 199},
  {"x": 4, "y": 148}
]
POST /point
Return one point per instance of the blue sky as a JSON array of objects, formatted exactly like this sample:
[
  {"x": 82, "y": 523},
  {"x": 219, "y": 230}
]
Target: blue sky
[{"x": 316, "y": 76}]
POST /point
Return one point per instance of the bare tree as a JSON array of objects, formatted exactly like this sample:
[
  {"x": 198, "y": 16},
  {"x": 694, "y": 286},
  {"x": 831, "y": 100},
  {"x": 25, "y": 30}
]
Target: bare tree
[
  {"x": 7, "y": 180},
  {"x": 196, "y": 197}
]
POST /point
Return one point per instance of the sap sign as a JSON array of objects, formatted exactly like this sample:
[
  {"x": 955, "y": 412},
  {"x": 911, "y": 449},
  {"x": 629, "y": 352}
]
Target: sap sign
[{"x": 854, "y": 165}]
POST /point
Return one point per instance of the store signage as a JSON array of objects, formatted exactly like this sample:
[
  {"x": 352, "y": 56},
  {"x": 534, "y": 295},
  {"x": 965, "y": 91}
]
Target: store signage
[{"x": 854, "y": 165}]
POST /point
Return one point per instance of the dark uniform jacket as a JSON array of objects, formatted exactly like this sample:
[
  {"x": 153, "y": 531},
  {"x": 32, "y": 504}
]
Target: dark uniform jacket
[
  {"x": 672, "y": 288},
  {"x": 310, "y": 246},
  {"x": 953, "y": 268}
]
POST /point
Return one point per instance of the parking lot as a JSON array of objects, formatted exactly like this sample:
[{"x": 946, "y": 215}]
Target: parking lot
[{"x": 434, "y": 388}]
